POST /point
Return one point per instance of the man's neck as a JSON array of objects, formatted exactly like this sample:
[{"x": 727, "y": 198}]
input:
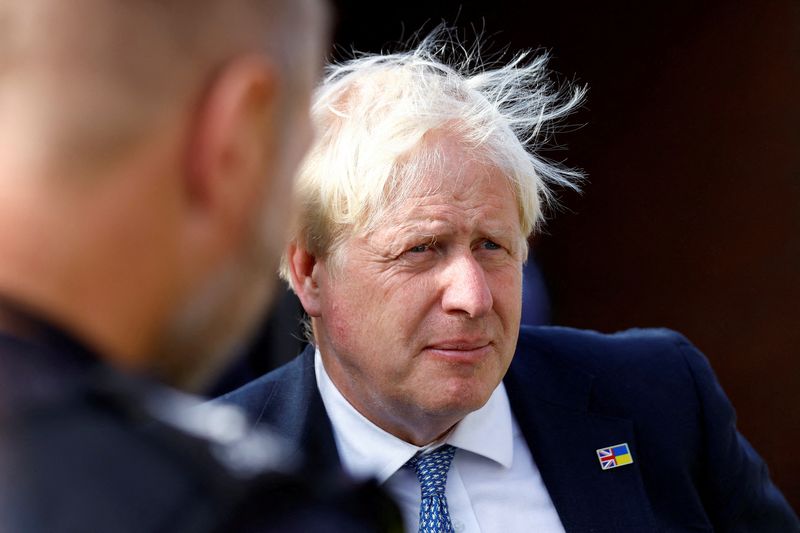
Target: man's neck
[{"x": 419, "y": 428}]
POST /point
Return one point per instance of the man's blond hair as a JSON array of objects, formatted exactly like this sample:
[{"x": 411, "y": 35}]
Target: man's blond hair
[{"x": 374, "y": 114}]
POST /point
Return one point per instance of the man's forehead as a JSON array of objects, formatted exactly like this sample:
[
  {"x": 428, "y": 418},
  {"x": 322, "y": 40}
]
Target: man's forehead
[
  {"x": 486, "y": 204},
  {"x": 442, "y": 227},
  {"x": 459, "y": 181},
  {"x": 444, "y": 169}
]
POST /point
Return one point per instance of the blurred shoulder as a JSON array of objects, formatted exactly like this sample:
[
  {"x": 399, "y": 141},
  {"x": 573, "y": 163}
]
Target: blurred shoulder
[{"x": 111, "y": 440}]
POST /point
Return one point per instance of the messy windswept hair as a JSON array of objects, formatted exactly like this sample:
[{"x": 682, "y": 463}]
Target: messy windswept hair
[{"x": 373, "y": 113}]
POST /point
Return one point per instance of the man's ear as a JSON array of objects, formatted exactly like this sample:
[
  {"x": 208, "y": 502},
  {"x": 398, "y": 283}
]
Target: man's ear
[
  {"x": 226, "y": 169},
  {"x": 305, "y": 271}
]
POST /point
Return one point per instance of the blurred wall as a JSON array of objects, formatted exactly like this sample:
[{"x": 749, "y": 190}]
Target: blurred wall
[{"x": 691, "y": 217}]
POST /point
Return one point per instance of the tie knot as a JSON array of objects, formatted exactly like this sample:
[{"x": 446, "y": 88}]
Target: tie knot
[{"x": 432, "y": 469}]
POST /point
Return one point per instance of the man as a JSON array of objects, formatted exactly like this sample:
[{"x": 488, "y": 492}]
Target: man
[
  {"x": 146, "y": 151},
  {"x": 415, "y": 208}
]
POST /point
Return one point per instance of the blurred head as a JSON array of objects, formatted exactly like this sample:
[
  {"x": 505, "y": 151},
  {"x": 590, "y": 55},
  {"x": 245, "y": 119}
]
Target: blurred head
[
  {"x": 160, "y": 139},
  {"x": 414, "y": 209}
]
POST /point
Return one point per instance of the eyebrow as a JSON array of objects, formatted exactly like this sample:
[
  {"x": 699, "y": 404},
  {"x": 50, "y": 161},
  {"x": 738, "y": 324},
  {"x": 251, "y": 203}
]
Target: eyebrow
[{"x": 433, "y": 229}]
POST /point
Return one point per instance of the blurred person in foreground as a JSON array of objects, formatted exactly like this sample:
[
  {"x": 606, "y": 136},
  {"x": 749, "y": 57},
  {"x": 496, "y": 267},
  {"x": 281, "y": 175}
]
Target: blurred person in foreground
[
  {"x": 146, "y": 157},
  {"x": 414, "y": 210}
]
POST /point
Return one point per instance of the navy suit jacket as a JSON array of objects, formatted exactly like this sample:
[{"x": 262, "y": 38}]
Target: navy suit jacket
[{"x": 573, "y": 392}]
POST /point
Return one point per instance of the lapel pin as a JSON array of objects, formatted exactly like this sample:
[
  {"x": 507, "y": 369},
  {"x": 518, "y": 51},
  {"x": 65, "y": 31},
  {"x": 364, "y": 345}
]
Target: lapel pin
[{"x": 614, "y": 456}]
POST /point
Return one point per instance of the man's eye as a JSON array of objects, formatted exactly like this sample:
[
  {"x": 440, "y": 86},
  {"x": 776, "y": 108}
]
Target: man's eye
[
  {"x": 420, "y": 248},
  {"x": 489, "y": 245}
]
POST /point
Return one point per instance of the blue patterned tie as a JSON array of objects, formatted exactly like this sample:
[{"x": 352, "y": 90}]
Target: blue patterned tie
[{"x": 431, "y": 471}]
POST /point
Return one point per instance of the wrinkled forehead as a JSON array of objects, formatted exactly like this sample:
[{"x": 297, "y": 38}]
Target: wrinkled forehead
[
  {"x": 443, "y": 170},
  {"x": 459, "y": 198}
]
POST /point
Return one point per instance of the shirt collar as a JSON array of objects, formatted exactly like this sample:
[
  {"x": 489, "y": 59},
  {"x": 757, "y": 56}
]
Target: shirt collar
[{"x": 368, "y": 451}]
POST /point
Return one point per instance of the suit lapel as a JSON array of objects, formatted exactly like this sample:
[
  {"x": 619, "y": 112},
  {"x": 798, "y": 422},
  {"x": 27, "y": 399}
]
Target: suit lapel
[
  {"x": 294, "y": 407},
  {"x": 550, "y": 402}
]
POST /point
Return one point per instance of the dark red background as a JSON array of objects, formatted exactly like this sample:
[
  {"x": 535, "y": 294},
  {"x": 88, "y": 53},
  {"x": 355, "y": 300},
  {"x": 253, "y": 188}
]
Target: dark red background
[{"x": 691, "y": 217}]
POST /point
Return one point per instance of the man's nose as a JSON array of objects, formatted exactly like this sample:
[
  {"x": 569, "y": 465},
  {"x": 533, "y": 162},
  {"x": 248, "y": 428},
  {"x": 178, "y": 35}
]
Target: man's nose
[{"x": 465, "y": 287}]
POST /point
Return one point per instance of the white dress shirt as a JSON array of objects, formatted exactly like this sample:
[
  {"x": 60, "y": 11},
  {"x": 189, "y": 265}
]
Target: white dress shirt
[{"x": 493, "y": 483}]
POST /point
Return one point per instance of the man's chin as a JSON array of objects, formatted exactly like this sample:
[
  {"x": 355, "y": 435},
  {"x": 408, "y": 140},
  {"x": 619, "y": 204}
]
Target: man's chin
[{"x": 458, "y": 402}]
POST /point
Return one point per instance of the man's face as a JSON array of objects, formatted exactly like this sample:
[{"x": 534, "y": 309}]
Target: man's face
[{"x": 419, "y": 319}]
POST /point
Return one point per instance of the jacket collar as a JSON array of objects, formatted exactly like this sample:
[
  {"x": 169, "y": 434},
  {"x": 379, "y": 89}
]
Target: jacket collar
[{"x": 294, "y": 407}]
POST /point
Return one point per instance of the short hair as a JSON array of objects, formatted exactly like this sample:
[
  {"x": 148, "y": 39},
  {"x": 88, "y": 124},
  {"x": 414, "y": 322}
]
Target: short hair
[
  {"x": 373, "y": 114},
  {"x": 103, "y": 70}
]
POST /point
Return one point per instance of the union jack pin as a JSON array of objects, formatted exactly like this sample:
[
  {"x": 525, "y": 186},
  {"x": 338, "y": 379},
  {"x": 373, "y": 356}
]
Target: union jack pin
[{"x": 614, "y": 456}]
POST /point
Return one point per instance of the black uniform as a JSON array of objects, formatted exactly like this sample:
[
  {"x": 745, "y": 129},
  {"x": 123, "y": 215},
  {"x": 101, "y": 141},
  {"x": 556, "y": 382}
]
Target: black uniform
[{"x": 84, "y": 448}]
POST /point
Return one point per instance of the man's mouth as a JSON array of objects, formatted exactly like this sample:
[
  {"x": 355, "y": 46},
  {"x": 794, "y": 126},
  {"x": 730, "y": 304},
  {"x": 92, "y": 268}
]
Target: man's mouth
[{"x": 460, "y": 350}]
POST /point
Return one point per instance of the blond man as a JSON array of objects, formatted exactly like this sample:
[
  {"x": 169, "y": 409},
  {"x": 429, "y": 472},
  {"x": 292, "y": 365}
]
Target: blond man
[{"x": 414, "y": 211}]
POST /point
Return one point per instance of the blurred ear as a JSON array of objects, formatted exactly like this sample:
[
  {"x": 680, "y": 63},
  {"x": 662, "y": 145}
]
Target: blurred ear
[
  {"x": 227, "y": 173},
  {"x": 304, "y": 270}
]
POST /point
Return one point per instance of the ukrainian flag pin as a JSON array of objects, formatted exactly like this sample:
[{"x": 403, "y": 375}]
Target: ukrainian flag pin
[{"x": 614, "y": 456}]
